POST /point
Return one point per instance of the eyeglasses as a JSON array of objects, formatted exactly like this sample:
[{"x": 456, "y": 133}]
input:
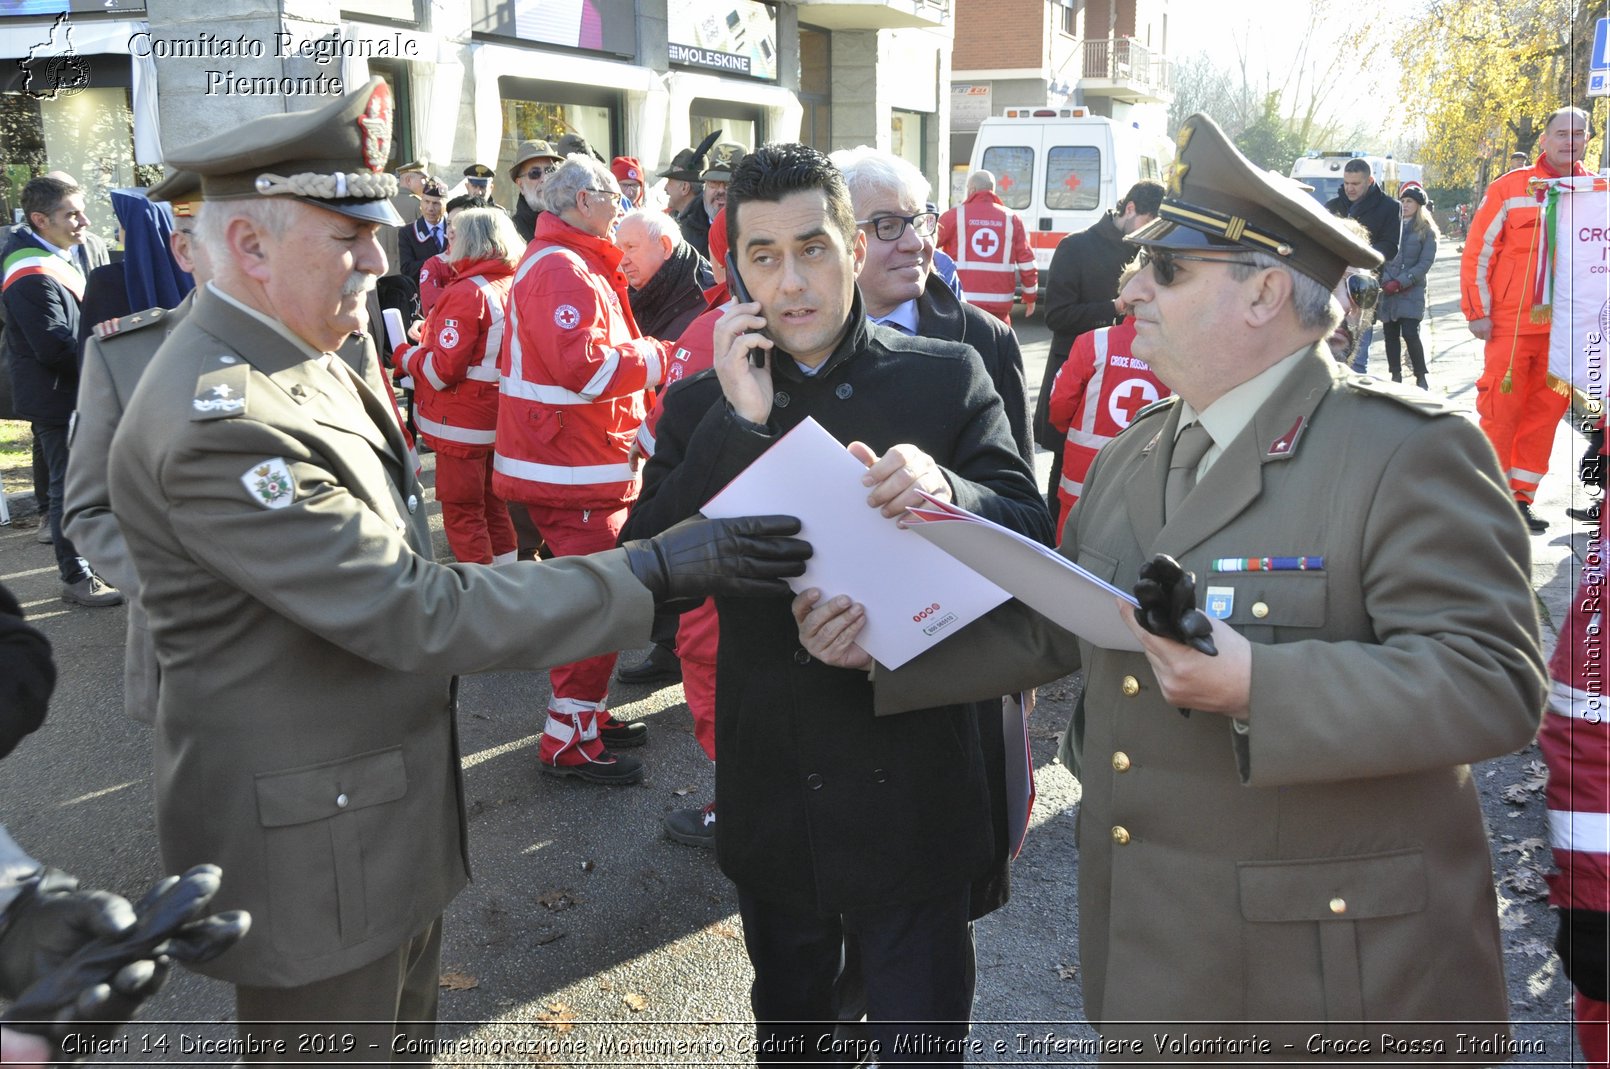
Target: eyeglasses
[
  {"x": 891, "y": 227},
  {"x": 541, "y": 172},
  {"x": 615, "y": 198},
  {"x": 1163, "y": 262}
]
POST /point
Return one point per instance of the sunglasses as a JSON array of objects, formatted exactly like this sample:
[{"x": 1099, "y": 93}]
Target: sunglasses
[
  {"x": 1165, "y": 264},
  {"x": 891, "y": 227},
  {"x": 541, "y": 172},
  {"x": 1363, "y": 289}
]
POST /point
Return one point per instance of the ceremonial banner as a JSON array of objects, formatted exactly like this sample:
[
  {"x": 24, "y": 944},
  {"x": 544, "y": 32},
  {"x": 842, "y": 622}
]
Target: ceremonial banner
[{"x": 1577, "y": 282}]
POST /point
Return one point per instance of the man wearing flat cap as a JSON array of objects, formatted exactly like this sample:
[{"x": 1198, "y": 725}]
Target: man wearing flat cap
[
  {"x": 307, "y": 643},
  {"x": 1302, "y": 858},
  {"x": 533, "y": 163}
]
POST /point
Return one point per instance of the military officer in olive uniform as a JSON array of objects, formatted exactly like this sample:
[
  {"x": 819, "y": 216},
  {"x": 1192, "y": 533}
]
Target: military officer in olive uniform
[
  {"x": 1302, "y": 859},
  {"x": 305, "y": 733}
]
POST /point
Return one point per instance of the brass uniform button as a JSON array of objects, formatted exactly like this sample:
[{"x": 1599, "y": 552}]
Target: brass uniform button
[
  {"x": 1130, "y": 686},
  {"x": 1338, "y": 906},
  {"x": 1120, "y": 762},
  {"x": 1120, "y": 835},
  {"x": 1260, "y": 610}
]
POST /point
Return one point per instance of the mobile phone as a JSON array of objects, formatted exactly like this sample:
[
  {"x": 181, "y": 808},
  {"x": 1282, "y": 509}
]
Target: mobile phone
[{"x": 735, "y": 283}]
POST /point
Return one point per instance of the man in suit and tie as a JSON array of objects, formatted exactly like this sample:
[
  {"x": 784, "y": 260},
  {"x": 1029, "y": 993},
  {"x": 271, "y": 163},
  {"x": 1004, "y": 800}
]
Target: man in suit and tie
[
  {"x": 1301, "y": 860},
  {"x": 428, "y": 235},
  {"x": 307, "y": 644}
]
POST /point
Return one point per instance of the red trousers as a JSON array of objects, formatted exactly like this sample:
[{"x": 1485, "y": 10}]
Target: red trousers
[
  {"x": 697, "y": 638},
  {"x": 571, "y": 533},
  {"x": 476, "y": 520},
  {"x": 1522, "y": 422}
]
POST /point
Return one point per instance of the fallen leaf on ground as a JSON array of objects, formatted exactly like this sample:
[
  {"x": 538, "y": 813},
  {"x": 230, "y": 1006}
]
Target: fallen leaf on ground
[
  {"x": 557, "y": 1017},
  {"x": 559, "y": 901},
  {"x": 1067, "y": 972},
  {"x": 454, "y": 980},
  {"x": 1526, "y": 882},
  {"x": 1524, "y": 846},
  {"x": 725, "y": 930},
  {"x": 635, "y": 1002}
]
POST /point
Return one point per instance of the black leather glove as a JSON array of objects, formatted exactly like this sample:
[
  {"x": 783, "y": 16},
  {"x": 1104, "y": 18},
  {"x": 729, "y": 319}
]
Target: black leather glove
[
  {"x": 103, "y": 981},
  {"x": 49, "y": 922},
  {"x": 746, "y": 556},
  {"x": 1584, "y": 942},
  {"x": 1167, "y": 596}
]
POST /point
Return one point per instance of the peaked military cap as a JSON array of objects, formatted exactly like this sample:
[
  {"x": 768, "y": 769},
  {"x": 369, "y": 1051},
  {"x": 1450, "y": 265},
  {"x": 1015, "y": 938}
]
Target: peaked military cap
[
  {"x": 1217, "y": 198},
  {"x": 332, "y": 156},
  {"x": 478, "y": 171},
  {"x": 181, "y": 190},
  {"x": 412, "y": 165},
  {"x": 531, "y": 150}
]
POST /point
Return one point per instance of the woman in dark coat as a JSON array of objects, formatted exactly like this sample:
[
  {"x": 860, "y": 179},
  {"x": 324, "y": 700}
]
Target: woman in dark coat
[{"x": 1403, "y": 286}]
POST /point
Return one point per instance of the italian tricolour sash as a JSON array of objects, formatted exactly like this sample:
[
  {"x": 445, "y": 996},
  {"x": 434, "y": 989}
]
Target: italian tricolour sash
[{"x": 32, "y": 260}]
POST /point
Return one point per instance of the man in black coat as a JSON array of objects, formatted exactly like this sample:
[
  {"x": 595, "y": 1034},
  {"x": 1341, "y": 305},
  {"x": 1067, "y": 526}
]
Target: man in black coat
[
  {"x": 426, "y": 236},
  {"x": 1362, "y": 199},
  {"x": 1081, "y": 295},
  {"x": 41, "y": 291},
  {"x": 833, "y": 820}
]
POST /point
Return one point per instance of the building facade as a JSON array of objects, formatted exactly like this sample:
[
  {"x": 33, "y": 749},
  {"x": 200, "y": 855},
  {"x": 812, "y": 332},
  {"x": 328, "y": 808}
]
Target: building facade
[
  {"x": 97, "y": 88},
  {"x": 1110, "y": 57}
]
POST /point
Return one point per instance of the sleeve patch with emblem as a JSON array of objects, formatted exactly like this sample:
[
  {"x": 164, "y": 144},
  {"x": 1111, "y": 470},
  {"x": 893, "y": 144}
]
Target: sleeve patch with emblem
[
  {"x": 567, "y": 317},
  {"x": 269, "y": 483}
]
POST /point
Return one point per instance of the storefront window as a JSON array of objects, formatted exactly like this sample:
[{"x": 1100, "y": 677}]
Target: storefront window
[
  {"x": 729, "y": 36},
  {"x": 89, "y": 134},
  {"x": 596, "y": 25},
  {"x": 906, "y": 136},
  {"x": 549, "y": 110},
  {"x": 740, "y": 124}
]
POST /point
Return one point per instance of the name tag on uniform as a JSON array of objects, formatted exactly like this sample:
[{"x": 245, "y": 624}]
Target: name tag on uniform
[{"x": 1220, "y": 602}]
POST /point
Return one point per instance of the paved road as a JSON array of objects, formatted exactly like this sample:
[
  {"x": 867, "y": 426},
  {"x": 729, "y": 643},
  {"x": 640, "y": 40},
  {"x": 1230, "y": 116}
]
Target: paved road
[{"x": 589, "y": 938}]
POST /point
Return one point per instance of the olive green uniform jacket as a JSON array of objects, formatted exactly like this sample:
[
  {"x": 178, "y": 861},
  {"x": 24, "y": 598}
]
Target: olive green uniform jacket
[
  {"x": 305, "y": 737},
  {"x": 1329, "y": 866}
]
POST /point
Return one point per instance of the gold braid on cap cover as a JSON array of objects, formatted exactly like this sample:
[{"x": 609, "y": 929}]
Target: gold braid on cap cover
[
  {"x": 362, "y": 184},
  {"x": 1230, "y": 227}
]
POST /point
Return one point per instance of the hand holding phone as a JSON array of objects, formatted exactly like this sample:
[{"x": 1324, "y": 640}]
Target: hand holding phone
[{"x": 740, "y": 292}]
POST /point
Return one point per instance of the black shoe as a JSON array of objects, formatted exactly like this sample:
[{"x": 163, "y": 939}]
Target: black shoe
[
  {"x": 622, "y": 734},
  {"x": 692, "y": 827},
  {"x": 1587, "y": 515},
  {"x": 660, "y": 666},
  {"x": 1537, "y": 525},
  {"x": 612, "y": 769}
]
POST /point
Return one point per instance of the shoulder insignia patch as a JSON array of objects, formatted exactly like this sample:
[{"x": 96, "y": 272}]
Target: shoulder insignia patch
[
  {"x": 269, "y": 483},
  {"x": 567, "y": 317},
  {"x": 128, "y": 324},
  {"x": 220, "y": 388}
]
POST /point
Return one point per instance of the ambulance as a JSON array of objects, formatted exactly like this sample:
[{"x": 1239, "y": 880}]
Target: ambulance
[
  {"x": 1060, "y": 169},
  {"x": 1323, "y": 171}
]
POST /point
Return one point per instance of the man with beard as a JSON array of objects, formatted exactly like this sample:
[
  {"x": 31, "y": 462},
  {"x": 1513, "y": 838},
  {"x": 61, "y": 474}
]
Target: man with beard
[{"x": 533, "y": 164}]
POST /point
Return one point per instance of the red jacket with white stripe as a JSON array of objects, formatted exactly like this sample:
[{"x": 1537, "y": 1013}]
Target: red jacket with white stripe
[
  {"x": 693, "y": 352},
  {"x": 434, "y": 276},
  {"x": 1096, "y": 394},
  {"x": 455, "y": 364},
  {"x": 1498, "y": 272},
  {"x": 1575, "y": 740},
  {"x": 990, "y": 246},
  {"x": 574, "y": 371}
]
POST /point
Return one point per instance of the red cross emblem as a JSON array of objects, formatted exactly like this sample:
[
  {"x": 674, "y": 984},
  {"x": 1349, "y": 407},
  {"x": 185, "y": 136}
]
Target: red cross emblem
[
  {"x": 1129, "y": 397},
  {"x": 1005, "y": 182}
]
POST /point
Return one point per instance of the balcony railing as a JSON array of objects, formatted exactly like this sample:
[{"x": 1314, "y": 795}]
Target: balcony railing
[{"x": 1124, "y": 59}]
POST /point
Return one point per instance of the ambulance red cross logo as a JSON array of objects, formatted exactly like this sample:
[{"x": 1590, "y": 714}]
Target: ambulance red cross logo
[{"x": 986, "y": 243}]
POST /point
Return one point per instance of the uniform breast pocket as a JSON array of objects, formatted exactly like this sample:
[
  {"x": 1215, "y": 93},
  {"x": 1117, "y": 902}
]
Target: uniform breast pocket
[
  {"x": 319, "y": 822},
  {"x": 1259, "y": 603},
  {"x": 1098, "y": 564}
]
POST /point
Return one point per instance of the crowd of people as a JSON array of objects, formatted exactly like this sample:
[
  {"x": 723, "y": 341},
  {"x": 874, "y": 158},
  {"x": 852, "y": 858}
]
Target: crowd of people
[{"x": 588, "y": 369}]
